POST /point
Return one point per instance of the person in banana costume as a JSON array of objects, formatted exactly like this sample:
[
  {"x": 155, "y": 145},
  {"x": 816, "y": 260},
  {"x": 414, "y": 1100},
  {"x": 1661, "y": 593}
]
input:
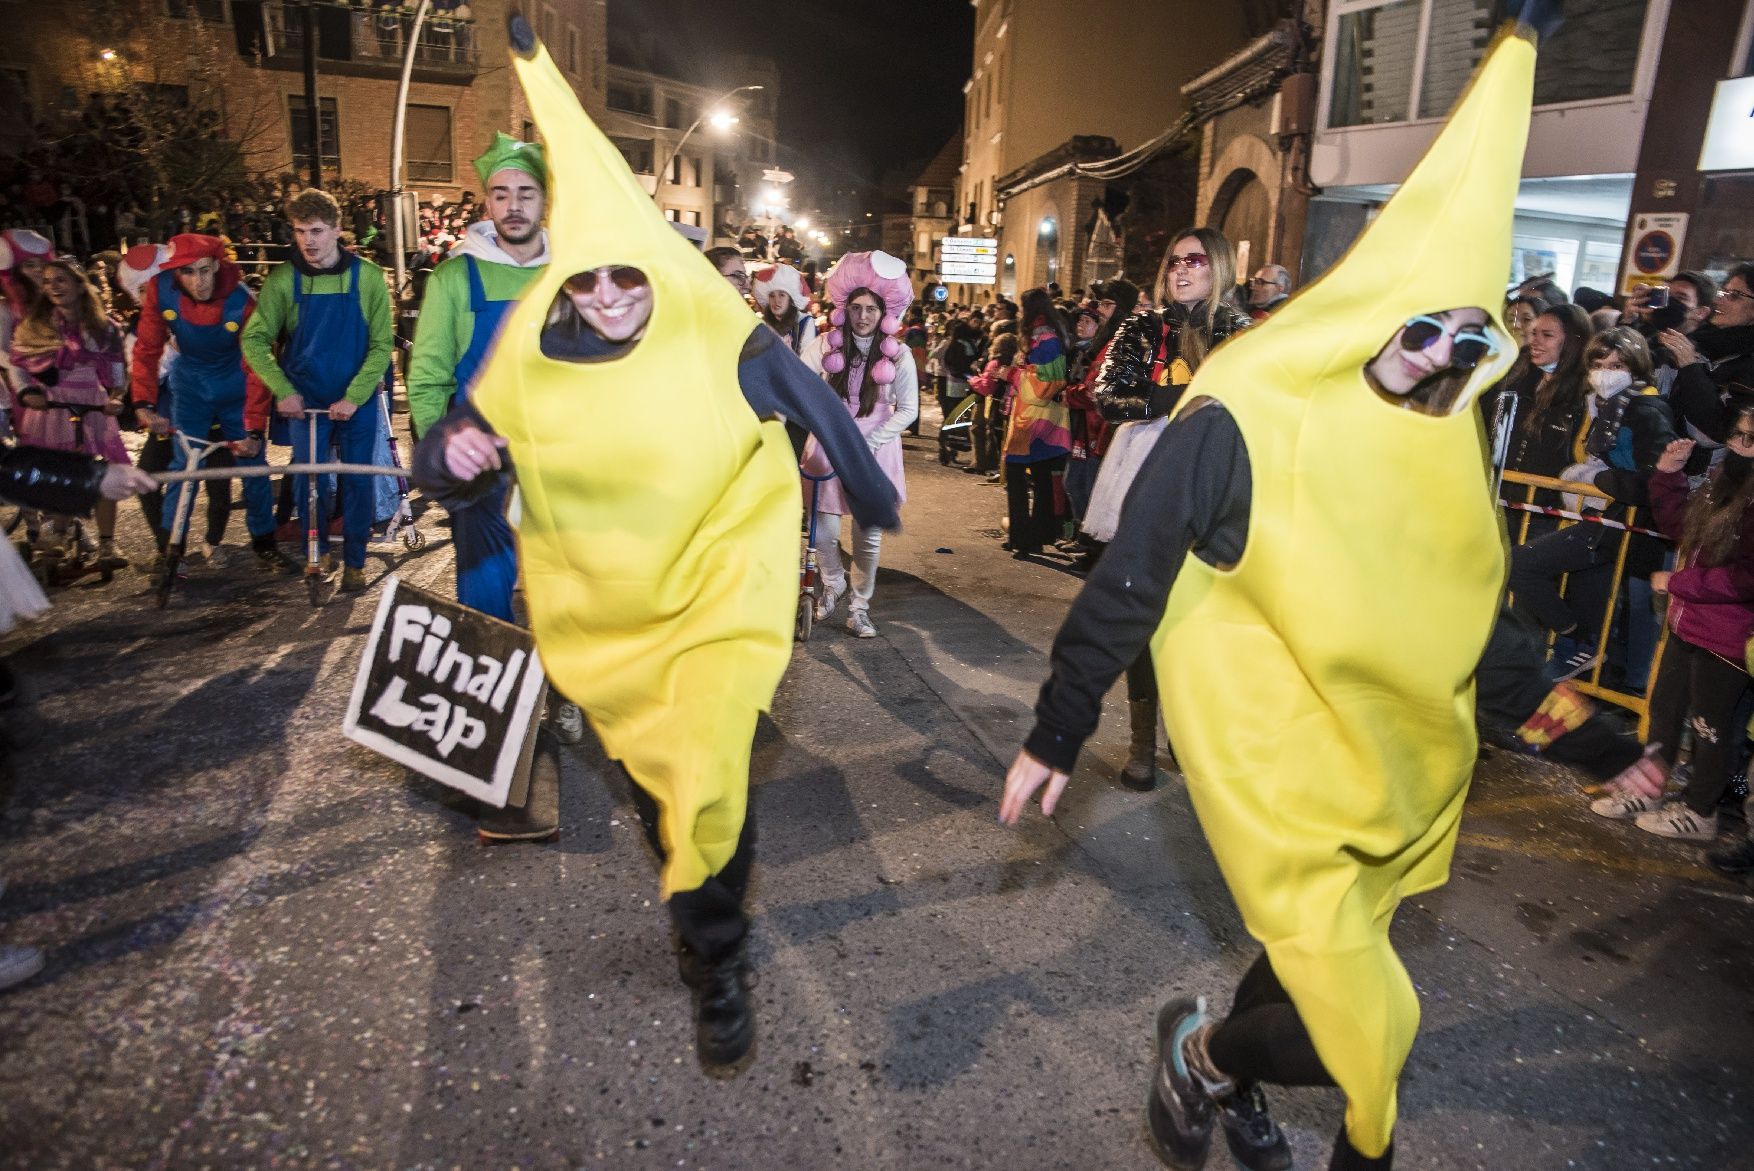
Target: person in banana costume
[
  {"x": 1317, "y": 650},
  {"x": 643, "y": 408}
]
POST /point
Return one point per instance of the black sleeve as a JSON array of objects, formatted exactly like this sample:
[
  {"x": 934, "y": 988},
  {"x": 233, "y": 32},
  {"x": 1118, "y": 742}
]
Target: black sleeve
[
  {"x": 64, "y": 482},
  {"x": 777, "y": 384},
  {"x": 1191, "y": 492},
  {"x": 1697, "y": 400},
  {"x": 435, "y": 480},
  {"x": 1653, "y": 429}
]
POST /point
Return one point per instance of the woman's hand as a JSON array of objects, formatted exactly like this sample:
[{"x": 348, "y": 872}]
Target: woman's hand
[
  {"x": 1674, "y": 456},
  {"x": 470, "y": 451},
  {"x": 1659, "y": 581},
  {"x": 1026, "y": 776}
]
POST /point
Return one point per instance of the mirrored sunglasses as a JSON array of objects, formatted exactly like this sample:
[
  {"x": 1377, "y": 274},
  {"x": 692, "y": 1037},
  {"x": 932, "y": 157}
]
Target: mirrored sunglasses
[{"x": 1469, "y": 344}]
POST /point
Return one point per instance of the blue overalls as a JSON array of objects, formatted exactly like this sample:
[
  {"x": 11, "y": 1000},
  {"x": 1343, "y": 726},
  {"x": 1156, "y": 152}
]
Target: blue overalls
[
  {"x": 321, "y": 356},
  {"x": 208, "y": 386},
  {"x": 487, "y": 555}
]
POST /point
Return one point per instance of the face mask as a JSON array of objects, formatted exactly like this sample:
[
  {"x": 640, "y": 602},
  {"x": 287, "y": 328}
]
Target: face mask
[
  {"x": 1735, "y": 470},
  {"x": 1549, "y": 368},
  {"x": 1609, "y": 383}
]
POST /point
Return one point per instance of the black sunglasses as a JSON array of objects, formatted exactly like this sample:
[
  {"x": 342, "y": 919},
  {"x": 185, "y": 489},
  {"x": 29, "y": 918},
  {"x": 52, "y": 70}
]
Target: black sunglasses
[{"x": 1469, "y": 344}]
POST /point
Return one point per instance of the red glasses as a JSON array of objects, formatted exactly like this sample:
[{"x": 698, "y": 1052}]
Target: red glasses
[
  {"x": 625, "y": 278},
  {"x": 1191, "y": 261}
]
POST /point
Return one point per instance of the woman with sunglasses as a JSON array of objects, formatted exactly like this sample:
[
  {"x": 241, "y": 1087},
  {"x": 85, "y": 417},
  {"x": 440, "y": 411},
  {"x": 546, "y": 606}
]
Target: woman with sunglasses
[
  {"x": 1627, "y": 428},
  {"x": 1150, "y": 358},
  {"x": 1704, "y": 673},
  {"x": 642, "y": 469}
]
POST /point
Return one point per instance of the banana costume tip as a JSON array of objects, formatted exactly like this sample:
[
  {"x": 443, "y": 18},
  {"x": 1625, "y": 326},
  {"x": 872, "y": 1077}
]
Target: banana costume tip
[
  {"x": 521, "y": 35},
  {"x": 1539, "y": 19}
]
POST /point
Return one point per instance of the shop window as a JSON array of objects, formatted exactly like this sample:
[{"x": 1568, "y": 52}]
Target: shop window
[
  {"x": 329, "y": 126},
  {"x": 1373, "y": 64},
  {"x": 427, "y": 138}
]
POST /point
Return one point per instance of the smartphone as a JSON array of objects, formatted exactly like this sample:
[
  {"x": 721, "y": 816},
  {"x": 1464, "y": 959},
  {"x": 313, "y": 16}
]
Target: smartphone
[{"x": 1657, "y": 297}]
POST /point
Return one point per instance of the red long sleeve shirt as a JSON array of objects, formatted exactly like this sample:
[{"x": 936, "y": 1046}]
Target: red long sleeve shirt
[{"x": 153, "y": 333}]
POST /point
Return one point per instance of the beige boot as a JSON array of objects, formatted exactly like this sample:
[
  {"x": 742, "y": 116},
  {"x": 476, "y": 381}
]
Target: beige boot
[
  {"x": 532, "y": 815},
  {"x": 1141, "y": 769}
]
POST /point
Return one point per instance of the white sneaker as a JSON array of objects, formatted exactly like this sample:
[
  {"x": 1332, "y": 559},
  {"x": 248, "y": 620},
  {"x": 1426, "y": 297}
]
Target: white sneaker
[
  {"x": 567, "y": 722},
  {"x": 859, "y": 624},
  {"x": 18, "y": 964},
  {"x": 1677, "y": 821},
  {"x": 1625, "y": 806},
  {"x": 827, "y": 600}
]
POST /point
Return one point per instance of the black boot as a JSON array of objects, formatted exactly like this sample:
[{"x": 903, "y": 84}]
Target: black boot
[
  {"x": 724, "y": 1026},
  {"x": 534, "y": 815},
  {"x": 1140, "y": 772},
  {"x": 1255, "y": 1140}
]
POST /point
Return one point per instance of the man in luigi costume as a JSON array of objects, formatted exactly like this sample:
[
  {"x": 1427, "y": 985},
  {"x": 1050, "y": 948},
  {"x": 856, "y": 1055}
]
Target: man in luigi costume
[
  {"x": 467, "y": 300},
  {"x": 327, "y": 313}
]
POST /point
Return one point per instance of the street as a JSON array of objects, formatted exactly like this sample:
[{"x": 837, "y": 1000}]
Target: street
[{"x": 270, "y": 948}]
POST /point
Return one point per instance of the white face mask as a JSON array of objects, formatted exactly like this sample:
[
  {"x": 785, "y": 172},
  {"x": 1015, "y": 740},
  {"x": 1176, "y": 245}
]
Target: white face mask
[{"x": 1609, "y": 383}]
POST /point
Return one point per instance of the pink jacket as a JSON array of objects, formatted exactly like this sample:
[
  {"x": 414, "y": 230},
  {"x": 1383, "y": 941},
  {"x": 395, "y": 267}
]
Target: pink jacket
[{"x": 1710, "y": 606}]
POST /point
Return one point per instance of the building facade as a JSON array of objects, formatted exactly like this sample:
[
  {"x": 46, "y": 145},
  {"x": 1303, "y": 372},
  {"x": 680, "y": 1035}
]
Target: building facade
[
  {"x": 702, "y": 174},
  {"x": 1048, "y": 81},
  {"x": 244, "y": 59}
]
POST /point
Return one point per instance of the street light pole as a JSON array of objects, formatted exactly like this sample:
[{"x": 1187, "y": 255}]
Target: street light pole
[
  {"x": 658, "y": 179},
  {"x": 397, "y": 224}
]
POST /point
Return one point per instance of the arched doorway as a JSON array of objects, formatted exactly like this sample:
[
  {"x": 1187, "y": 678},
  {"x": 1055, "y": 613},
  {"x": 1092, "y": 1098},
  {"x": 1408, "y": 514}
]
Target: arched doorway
[{"x": 1243, "y": 211}]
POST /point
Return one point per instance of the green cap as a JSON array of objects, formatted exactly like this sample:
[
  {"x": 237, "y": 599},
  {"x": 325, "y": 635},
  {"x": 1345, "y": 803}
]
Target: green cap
[{"x": 507, "y": 153}]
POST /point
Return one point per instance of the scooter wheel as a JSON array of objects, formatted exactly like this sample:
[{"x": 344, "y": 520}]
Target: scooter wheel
[
  {"x": 414, "y": 539},
  {"x": 806, "y": 616},
  {"x": 314, "y": 583}
]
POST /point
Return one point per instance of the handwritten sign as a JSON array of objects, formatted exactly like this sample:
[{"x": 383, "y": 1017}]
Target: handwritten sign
[{"x": 447, "y": 691}]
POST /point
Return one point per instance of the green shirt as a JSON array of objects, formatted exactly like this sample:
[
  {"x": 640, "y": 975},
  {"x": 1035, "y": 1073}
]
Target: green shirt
[
  {"x": 447, "y": 325},
  {"x": 276, "y": 316}
]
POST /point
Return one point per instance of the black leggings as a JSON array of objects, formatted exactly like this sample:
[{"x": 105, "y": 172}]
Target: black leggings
[
  {"x": 1697, "y": 690},
  {"x": 1142, "y": 677},
  {"x": 710, "y": 918},
  {"x": 1029, "y": 498},
  {"x": 1264, "y": 1040}
]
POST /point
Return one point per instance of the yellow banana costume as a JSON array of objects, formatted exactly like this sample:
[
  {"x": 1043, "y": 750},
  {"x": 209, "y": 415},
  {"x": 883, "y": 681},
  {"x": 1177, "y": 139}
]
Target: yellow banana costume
[
  {"x": 659, "y": 528},
  {"x": 1319, "y": 693}
]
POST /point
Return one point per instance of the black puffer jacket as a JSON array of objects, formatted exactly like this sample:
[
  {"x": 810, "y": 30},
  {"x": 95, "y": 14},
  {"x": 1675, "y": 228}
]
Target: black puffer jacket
[
  {"x": 1125, "y": 388},
  {"x": 65, "y": 482}
]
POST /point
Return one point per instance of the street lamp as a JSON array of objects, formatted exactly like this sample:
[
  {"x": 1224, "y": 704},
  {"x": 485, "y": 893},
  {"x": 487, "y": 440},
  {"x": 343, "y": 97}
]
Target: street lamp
[
  {"x": 720, "y": 120},
  {"x": 729, "y": 120}
]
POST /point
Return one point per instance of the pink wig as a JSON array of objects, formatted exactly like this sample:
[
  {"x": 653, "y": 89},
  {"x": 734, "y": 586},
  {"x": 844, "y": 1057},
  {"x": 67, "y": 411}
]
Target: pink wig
[{"x": 885, "y": 276}]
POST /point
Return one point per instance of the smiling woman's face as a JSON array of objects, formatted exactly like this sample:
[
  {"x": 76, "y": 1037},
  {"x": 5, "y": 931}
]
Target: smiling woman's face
[
  {"x": 614, "y": 300},
  {"x": 1417, "y": 350}
]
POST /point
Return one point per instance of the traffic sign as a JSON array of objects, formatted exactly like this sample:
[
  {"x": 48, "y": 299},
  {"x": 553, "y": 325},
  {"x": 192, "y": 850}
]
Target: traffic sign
[
  {"x": 969, "y": 260},
  {"x": 1655, "y": 252}
]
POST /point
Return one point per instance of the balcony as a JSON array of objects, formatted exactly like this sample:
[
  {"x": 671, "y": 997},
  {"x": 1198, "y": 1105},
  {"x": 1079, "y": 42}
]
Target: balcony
[{"x": 359, "y": 39}]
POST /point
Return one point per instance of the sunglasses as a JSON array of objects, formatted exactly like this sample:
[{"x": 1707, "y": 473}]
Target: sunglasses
[
  {"x": 1190, "y": 262},
  {"x": 1468, "y": 344},
  {"x": 625, "y": 278}
]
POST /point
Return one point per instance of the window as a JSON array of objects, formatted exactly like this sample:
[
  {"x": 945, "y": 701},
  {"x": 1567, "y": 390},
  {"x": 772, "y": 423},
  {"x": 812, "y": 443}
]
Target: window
[
  {"x": 427, "y": 139},
  {"x": 550, "y": 27},
  {"x": 630, "y": 99},
  {"x": 329, "y": 127},
  {"x": 1386, "y": 71},
  {"x": 209, "y": 10},
  {"x": 672, "y": 113},
  {"x": 676, "y": 170},
  {"x": 572, "y": 49},
  {"x": 673, "y": 215},
  {"x": 693, "y": 219},
  {"x": 637, "y": 152}
]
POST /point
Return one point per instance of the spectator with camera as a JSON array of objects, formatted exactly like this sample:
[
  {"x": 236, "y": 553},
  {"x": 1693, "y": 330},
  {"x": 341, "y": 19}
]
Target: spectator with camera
[{"x": 1716, "y": 355}]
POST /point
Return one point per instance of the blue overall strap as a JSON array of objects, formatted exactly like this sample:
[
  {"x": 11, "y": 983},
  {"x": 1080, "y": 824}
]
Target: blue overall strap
[{"x": 477, "y": 291}]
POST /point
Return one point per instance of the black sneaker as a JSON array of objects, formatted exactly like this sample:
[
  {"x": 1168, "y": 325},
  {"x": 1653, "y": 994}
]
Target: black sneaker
[
  {"x": 271, "y": 558},
  {"x": 1179, "y": 1113},
  {"x": 724, "y": 1026},
  {"x": 1736, "y": 859},
  {"x": 1255, "y": 1140},
  {"x": 1574, "y": 664}
]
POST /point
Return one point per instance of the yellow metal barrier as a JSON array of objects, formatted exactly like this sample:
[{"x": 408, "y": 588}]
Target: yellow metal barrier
[{"x": 1591, "y": 684}]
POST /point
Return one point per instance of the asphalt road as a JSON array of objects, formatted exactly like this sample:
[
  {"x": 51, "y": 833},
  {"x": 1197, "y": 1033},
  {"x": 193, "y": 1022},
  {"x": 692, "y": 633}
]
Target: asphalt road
[{"x": 270, "y": 948}]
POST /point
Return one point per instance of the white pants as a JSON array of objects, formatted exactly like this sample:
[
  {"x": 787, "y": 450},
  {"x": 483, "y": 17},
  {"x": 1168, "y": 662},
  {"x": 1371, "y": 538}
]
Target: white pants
[{"x": 867, "y": 546}]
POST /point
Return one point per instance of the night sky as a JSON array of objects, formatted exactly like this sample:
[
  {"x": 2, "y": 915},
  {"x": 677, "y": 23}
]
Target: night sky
[{"x": 865, "y": 87}]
